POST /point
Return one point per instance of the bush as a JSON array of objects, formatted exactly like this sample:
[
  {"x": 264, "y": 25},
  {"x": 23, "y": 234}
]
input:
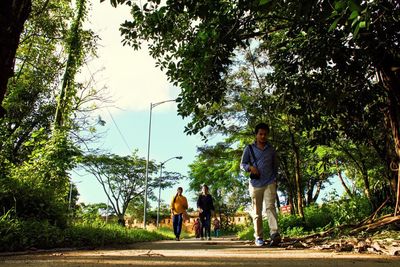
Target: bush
[
  {"x": 349, "y": 211},
  {"x": 286, "y": 222},
  {"x": 29, "y": 202},
  {"x": 317, "y": 217},
  {"x": 17, "y": 235}
]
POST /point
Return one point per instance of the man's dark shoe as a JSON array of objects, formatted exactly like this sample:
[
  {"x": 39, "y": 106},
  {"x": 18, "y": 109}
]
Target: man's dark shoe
[{"x": 275, "y": 240}]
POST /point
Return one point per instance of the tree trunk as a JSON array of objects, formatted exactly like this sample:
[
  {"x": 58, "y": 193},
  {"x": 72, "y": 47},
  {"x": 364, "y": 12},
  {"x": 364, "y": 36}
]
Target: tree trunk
[
  {"x": 73, "y": 62},
  {"x": 310, "y": 191},
  {"x": 13, "y": 14},
  {"x": 394, "y": 122},
  {"x": 339, "y": 172},
  {"x": 317, "y": 192},
  {"x": 389, "y": 77},
  {"x": 121, "y": 220},
  {"x": 290, "y": 202},
  {"x": 297, "y": 176}
]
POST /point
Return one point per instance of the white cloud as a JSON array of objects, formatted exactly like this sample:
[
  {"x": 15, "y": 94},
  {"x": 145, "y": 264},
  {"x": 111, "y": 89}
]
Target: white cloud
[{"x": 131, "y": 76}]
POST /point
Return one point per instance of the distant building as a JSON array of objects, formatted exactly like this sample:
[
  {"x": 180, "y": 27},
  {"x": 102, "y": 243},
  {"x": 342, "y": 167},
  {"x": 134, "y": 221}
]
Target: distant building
[{"x": 238, "y": 219}]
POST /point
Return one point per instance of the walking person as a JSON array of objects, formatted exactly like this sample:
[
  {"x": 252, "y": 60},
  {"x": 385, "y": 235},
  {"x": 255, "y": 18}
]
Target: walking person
[
  {"x": 260, "y": 160},
  {"x": 179, "y": 206},
  {"x": 216, "y": 227},
  {"x": 205, "y": 206},
  {"x": 197, "y": 227}
]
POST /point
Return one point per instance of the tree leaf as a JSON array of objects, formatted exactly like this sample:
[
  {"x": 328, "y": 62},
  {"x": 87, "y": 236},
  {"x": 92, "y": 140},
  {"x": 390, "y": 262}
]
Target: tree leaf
[
  {"x": 334, "y": 24},
  {"x": 355, "y": 33},
  {"x": 354, "y": 14},
  {"x": 339, "y": 5},
  {"x": 264, "y": 2}
]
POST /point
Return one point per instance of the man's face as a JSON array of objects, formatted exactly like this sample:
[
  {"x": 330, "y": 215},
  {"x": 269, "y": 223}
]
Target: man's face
[{"x": 261, "y": 136}]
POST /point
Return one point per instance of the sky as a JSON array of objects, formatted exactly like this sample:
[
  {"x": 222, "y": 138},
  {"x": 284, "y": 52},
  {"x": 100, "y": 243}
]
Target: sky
[{"x": 133, "y": 82}]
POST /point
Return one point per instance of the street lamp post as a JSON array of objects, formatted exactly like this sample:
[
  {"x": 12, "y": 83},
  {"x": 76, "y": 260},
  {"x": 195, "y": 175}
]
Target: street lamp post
[
  {"x": 159, "y": 187},
  {"x": 152, "y": 105}
]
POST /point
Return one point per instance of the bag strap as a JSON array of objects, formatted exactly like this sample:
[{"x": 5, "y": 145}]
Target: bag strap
[{"x": 254, "y": 157}]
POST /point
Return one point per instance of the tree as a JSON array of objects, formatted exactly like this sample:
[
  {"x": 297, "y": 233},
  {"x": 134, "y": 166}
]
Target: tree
[
  {"x": 35, "y": 161},
  {"x": 218, "y": 167},
  {"x": 122, "y": 179},
  {"x": 307, "y": 42}
]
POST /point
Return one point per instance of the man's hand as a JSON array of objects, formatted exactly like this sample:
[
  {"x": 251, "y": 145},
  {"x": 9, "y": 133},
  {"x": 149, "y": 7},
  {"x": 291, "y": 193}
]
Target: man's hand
[{"x": 254, "y": 170}]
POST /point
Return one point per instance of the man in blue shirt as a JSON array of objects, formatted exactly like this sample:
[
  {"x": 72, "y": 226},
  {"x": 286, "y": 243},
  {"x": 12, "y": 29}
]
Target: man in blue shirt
[{"x": 259, "y": 159}]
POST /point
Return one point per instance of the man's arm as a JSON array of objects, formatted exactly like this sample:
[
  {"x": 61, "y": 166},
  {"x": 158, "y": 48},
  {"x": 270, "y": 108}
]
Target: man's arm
[
  {"x": 275, "y": 165},
  {"x": 245, "y": 161}
]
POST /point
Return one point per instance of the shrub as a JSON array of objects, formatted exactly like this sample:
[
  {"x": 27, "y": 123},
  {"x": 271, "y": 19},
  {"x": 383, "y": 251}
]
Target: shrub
[
  {"x": 349, "y": 211},
  {"x": 16, "y": 235},
  {"x": 317, "y": 217}
]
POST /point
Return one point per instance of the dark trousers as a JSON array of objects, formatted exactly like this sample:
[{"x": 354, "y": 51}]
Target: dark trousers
[
  {"x": 177, "y": 223},
  {"x": 205, "y": 218}
]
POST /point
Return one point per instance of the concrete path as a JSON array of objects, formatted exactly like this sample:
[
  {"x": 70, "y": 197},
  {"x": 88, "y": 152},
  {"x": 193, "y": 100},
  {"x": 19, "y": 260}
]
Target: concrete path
[{"x": 192, "y": 252}]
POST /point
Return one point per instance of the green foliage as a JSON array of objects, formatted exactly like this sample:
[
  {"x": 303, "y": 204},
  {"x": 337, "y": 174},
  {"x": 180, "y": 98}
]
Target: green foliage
[
  {"x": 90, "y": 214},
  {"x": 218, "y": 167},
  {"x": 123, "y": 178},
  {"x": 16, "y": 235},
  {"x": 349, "y": 211},
  {"x": 309, "y": 62},
  {"x": 287, "y": 222},
  {"x": 169, "y": 233},
  {"x": 38, "y": 188},
  {"x": 317, "y": 218},
  {"x": 35, "y": 159},
  {"x": 102, "y": 235},
  {"x": 246, "y": 233},
  {"x": 295, "y": 231}
]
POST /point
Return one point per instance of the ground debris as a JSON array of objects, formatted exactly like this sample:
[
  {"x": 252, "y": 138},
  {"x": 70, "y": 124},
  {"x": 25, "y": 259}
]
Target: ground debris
[
  {"x": 386, "y": 243},
  {"x": 298, "y": 245},
  {"x": 151, "y": 254},
  {"x": 57, "y": 254},
  {"x": 344, "y": 247}
]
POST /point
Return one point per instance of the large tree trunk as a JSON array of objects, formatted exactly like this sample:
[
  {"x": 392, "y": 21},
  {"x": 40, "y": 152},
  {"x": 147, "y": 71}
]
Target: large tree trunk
[
  {"x": 13, "y": 14},
  {"x": 394, "y": 121},
  {"x": 389, "y": 77}
]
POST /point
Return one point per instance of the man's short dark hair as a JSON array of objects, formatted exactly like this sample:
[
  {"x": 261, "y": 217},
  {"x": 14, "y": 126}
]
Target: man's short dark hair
[{"x": 263, "y": 126}]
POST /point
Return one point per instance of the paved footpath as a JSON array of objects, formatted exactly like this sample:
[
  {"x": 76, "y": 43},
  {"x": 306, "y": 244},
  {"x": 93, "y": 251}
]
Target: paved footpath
[{"x": 191, "y": 252}]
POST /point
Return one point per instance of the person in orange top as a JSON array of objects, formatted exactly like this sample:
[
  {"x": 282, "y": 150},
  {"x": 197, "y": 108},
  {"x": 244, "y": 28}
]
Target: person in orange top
[{"x": 179, "y": 206}]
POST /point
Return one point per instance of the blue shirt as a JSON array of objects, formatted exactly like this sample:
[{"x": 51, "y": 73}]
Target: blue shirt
[{"x": 267, "y": 164}]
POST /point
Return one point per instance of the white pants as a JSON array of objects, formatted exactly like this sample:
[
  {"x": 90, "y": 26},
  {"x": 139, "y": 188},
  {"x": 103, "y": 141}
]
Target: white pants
[{"x": 264, "y": 196}]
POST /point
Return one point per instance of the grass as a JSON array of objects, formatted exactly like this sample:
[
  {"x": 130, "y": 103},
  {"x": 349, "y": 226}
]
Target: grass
[{"x": 18, "y": 235}]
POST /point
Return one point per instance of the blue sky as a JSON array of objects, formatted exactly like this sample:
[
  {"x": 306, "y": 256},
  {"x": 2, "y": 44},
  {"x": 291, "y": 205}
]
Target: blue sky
[
  {"x": 167, "y": 140},
  {"x": 133, "y": 82}
]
